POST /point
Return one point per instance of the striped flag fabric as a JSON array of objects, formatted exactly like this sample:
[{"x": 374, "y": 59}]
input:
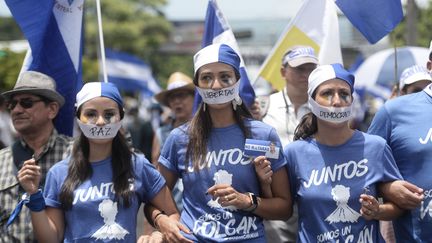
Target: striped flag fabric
[
  {"x": 130, "y": 73},
  {"x": 218, "y": 30},
  {"x": 53, "y": 29},
  {"x": 315, "y": 25}
]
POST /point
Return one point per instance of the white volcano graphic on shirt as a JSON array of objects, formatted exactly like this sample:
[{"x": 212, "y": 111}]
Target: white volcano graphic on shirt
[
  {"x": 343, "y": 212},
  {"x": 221, "y": 177},
  {"x": 111, "y": 230}
]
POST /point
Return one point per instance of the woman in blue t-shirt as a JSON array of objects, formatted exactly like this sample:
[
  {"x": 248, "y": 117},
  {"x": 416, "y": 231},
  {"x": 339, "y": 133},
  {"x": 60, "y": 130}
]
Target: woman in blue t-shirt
[
  {"x": 221, "y": 199},
  {"x": 335, "y": 172},
  {"x": 94, "y": 195}
]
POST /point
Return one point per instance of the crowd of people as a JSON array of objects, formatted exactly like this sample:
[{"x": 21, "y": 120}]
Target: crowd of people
[{"x": 299, "y": 173}]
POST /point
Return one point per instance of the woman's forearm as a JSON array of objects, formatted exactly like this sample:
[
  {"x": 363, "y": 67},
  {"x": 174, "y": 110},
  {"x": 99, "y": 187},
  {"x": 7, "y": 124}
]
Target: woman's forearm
[
  {"x": 273, "y": 208},
  {"x": 388, "y": 211},
  {"x": 48, "y": 225}
]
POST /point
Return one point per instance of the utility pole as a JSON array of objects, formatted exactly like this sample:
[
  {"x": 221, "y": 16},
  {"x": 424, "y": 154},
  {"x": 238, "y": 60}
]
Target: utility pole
[{"x": 411, "y": 23}]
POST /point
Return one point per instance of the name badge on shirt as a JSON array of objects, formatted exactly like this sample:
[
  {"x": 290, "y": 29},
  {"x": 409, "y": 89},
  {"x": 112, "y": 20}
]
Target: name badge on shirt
[{"x": 255, "y": 148}]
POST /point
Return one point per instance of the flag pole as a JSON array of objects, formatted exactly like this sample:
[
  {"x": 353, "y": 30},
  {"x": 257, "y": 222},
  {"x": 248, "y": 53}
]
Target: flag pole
[
  {"x": 396, "y": 81},
  {"x": 101, "y": 41}
]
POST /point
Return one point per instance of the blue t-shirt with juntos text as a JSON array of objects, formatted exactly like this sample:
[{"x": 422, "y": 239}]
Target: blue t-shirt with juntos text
[
  {"x": 326, "y": 183},
  {"x": 406, "y": 124},
  {"x": 96, "y": 216},
  {"x": 226, "y": 164}
]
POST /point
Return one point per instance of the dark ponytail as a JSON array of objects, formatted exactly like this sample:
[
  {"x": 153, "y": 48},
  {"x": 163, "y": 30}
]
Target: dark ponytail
[{"x": 307, "y": 127}]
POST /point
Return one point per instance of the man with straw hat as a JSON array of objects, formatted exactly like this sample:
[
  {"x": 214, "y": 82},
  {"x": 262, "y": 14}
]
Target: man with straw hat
[{"x": 179, "y": 97}]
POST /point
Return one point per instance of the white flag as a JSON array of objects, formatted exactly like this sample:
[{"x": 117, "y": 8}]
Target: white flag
[{"x": 315, "y": 25}]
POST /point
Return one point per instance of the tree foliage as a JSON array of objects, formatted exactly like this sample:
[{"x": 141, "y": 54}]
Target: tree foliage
[
  {"x": 423, "y": 26},
  {"x": 9, "y": 29},
  {"x": 137, "y": 27},
  {"x": 10, "y": 66},
  {"x": 132, "y": 26}
]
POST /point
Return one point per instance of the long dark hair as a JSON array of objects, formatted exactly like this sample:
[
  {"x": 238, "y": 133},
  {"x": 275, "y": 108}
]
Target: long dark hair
[
  {"x": 199, "y": 133},
  {"x": 307, "y": 127},
  {"x": 308, "y": 124},
  {"x": 80, "y": 169}
]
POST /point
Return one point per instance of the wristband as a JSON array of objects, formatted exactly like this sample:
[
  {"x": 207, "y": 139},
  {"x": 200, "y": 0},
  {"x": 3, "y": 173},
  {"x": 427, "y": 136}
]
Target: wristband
[
  {"x": 36, "y": 202},
  {"x": 254, "y": 203},
  {"x": 161, "y": 213}
]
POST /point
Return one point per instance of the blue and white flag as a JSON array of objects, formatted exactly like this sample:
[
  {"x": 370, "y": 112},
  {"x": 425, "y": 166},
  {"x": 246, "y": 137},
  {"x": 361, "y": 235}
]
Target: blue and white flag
[
  {"x": 217, "y": 30},
  {"x": 53, "y": 29},
  {"x": 130, "y": 73},
  {"x": 373, "y": 18}
]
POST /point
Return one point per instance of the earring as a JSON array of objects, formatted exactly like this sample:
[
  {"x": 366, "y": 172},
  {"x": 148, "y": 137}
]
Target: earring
[
  {"x": 236, "y": 101},
  {"x": 204, "y": 107}
]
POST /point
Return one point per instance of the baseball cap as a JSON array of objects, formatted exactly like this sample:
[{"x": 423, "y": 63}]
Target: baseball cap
[
  {"x": 299, "y": 55},
  {"x": 413, "y": 74}
]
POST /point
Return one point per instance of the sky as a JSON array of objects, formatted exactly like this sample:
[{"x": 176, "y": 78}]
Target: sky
[{"x": 232, "y": 9}]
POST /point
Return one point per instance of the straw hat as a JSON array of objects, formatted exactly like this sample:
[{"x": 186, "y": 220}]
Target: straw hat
[{"x": 176, "y": 82}]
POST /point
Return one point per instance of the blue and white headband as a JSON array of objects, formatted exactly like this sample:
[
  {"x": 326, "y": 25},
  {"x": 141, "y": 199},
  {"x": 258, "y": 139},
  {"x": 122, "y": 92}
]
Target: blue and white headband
[
  {"x": 327, "y": 72},
  {"x": 216, "y": 53},
  {"x": 98, "y": 89}
]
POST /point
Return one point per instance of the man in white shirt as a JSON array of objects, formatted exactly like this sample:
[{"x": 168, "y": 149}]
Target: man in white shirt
[{"x": 286, "y": 108}]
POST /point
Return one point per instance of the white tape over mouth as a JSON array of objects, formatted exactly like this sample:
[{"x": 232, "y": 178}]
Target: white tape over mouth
[{"x": 220, "y": 96}]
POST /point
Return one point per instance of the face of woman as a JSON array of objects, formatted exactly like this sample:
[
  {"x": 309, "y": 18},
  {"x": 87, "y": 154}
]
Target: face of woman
[
  {"x": 334, "y": 92},
  {"x": 216, "y": 76},
  {"x": 100, "y": 111}
]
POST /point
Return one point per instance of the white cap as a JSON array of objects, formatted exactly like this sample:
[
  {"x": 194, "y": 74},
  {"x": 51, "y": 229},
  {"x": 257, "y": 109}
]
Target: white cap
[
  {"x": 299, "y": 55},
  {"x": 413, "y": 74}
]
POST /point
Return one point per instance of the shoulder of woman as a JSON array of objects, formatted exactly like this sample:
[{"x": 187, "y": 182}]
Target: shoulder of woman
[
  {"x": 374, "y": 139},
  {"x": 61, "y": 166},
  {"x": 255, "y": 124},
  {"x": 139, "y": 161}
]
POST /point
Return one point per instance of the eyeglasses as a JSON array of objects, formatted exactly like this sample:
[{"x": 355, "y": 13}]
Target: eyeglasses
[{"x": 25, "y": 103}]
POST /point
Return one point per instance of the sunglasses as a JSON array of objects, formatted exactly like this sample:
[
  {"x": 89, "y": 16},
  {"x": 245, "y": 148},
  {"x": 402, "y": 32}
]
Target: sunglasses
[{"x": 25, "y": 103}]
